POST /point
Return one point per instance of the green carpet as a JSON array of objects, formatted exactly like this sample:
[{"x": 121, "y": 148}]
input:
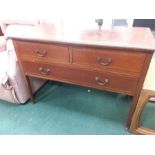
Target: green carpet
[
  {"x": 148, "y": 116},
  {"x": 67, "y": 109}
]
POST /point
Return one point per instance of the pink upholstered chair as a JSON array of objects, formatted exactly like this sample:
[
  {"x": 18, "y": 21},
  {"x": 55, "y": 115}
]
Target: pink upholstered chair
[{"x": 12, "y": 86}]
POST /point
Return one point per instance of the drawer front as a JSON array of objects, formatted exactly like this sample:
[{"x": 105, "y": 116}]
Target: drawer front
[
  {"x": 103, "y": 81},
  {"x": 43, "y": 51},
  {"x": 114, "y": 60}
]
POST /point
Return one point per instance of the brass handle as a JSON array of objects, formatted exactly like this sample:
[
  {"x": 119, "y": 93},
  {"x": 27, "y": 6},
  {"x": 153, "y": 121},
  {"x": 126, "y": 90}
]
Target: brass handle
[
  {"x": 41, "y": 53},
  {"x": 104, "y": 62},
  {"x": 102, "y": 83},
  {"x": 44, "y": 71}
]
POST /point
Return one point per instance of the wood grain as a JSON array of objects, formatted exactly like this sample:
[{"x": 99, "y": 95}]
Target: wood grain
[
  {"x": 121, "y": 60},
  {"x": 83, "y": 58},
  {"x": 136, "y": 126},
  {"x": 129, "y": 38},
  {"x": 139, "y": 88},
  {"x": 121, "y": 84},
  {"x": 43, "y": 51}
]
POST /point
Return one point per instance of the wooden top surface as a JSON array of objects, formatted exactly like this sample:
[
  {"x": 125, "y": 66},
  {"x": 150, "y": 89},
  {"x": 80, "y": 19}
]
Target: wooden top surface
[{"x": 132, "y": 38}]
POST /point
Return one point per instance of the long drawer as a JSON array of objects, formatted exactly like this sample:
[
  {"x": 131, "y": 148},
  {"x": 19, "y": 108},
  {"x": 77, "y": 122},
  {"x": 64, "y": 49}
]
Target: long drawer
[
  {"x": 99, "y": 80},
  {"x": 114, "y": 60},
  {"x": 43, "y": 51}
]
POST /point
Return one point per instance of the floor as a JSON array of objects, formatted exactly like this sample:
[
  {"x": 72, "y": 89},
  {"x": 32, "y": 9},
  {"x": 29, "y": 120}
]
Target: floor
[
  {"x": 67, "y": 109},
  {"x": 148, "y": 116},
  {"x": 63, "y": 109}
]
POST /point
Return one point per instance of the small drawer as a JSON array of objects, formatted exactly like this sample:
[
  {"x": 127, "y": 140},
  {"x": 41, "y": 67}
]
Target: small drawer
[
  {"x": 103, "y": 81},
  {"x": 43, "y": 51},
  {"x": 114, "y": 60}
]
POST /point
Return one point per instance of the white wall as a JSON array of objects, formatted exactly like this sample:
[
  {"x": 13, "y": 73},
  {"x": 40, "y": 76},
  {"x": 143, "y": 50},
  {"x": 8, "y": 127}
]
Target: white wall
[{"x": 76, "y": 8}]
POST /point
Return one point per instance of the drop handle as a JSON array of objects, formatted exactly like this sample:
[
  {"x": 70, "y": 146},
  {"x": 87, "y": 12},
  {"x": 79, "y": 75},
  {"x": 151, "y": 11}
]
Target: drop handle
[
  {"x": 101, "y": 83},
  {"x": 44, "y": 71},
  {"x": 104, "y": 61},
  {"x": 40, "y": 53}
]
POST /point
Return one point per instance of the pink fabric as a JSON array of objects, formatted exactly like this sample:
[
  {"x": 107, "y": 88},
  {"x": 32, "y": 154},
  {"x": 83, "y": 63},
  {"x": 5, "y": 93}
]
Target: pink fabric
[
  {"x": 15, "y": 87},
  {"x": 12, "y": 85},
  {"x": 4, "y": 67},
  {"x": 2, "y": 44},
  {"x": 152, "y": 99},
  {"x": 6, "y": 22}
]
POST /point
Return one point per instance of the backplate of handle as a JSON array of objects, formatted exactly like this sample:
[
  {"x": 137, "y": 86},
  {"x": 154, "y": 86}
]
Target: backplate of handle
[
  {"x": 104, "y": 61},
  {"x": 44, "y": 71},
  {"x": 41, "y": 53},
  {"x": 101, "y": 83}
]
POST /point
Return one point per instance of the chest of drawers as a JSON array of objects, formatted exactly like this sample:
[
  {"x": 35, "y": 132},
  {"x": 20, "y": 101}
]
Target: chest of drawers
[
  {"x": 99, "y": 63},
  {"x": 93, "y": 67}
]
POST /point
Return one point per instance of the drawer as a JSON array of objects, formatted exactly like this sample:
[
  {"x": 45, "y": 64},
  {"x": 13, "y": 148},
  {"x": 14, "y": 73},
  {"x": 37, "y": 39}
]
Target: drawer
[
  {"x": 114, "y": 60},
  {"x": 42, "y": 51},
  {"x": 103, "y": 81}
]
